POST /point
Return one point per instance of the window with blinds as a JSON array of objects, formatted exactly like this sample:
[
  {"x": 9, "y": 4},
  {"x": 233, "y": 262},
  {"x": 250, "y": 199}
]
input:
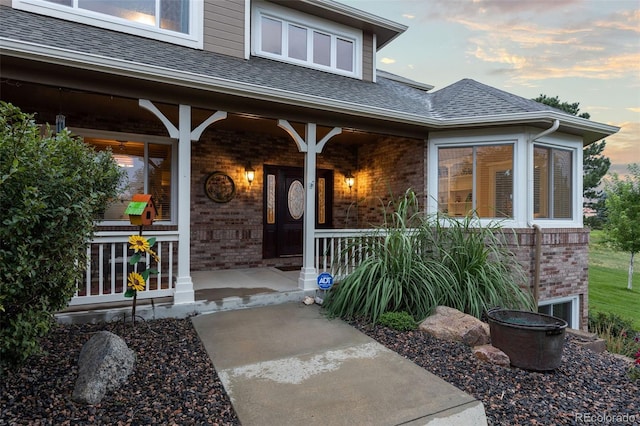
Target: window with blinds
[{"x": 552, "y": 183}]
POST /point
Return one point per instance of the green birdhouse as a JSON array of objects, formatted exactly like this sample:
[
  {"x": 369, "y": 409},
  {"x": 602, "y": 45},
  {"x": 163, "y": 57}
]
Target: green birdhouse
[{"x": 141, "y": 210}]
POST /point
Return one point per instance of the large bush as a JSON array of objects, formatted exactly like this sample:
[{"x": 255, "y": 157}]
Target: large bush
[{"x": 51, "y": 189}]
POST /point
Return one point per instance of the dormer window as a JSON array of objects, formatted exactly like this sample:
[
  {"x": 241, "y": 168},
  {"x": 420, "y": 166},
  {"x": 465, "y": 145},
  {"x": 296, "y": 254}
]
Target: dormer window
[
  {"x": 306, "y": 40},
  {"x": 174, "y": 21}
]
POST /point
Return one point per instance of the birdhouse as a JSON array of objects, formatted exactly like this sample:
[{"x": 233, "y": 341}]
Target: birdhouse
[{"x": 141, "y": 210}]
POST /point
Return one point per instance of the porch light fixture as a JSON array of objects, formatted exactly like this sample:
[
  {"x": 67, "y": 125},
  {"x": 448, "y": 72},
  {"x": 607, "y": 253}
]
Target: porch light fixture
[
  {"x": 250, "y": 174},
  {"x": 349, "y": 179}
]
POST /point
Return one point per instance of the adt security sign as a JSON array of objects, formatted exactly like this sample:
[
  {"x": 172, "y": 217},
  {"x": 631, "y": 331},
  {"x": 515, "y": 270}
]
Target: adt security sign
[{"x": 325, "y": 281}]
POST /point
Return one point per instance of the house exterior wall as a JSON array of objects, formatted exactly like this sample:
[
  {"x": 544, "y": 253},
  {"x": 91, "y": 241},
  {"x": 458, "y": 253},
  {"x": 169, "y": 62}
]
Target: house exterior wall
[
  {"x": 229, "y": 235},
  {"x": 224, "y": 27},
  {"x": 368, "y": 55},
  {"x": 385, "y": 171},
  {"x": 563, "y": 263}
]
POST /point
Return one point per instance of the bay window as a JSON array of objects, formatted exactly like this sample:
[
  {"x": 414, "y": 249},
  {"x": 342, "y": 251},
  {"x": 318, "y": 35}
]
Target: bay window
[
  {"x": 552, "y": 183},
  {"x": 476, "y": 179}
]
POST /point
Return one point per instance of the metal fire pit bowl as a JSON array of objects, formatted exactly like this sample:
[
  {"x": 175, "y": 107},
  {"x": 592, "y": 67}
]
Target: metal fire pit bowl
[{"x": 533, "y": 341}]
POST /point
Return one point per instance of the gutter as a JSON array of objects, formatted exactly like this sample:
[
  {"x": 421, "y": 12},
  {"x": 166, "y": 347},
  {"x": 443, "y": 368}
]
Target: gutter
[{"x": 536, "y": 228}]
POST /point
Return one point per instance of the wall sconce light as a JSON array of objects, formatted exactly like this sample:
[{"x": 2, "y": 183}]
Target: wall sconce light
[
  {"x": 250, "y": 174},
  {"x": 349, "y": 179}
]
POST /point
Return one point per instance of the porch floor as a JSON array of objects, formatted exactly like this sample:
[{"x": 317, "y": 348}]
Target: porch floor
[
  {"x": 215, "y": 290},
  {"x": 220, "y": 284}
]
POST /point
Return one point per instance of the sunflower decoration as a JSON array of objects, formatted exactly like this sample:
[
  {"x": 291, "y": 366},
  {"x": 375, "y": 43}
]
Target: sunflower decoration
[
  {"x": 136, "y": 281},
  {"x": 139, "y": 244}
]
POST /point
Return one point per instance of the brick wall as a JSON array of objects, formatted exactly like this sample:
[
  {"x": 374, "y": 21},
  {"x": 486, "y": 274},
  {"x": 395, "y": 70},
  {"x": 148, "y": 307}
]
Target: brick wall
[
  {"x": 386, "y": 170},
  {"x": 229, "y": 235},
  {"x": 563, "y": 263}
]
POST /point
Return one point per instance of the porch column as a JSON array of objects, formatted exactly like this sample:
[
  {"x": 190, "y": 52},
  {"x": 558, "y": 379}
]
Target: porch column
[
  {"x": 184, "y": 292},
  {"x": 311, "y": 147}
]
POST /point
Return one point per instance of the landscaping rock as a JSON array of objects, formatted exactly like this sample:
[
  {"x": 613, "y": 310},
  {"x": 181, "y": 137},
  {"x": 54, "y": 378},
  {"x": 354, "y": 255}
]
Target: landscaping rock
[
  {"x": 588, "y": 340},
  {"x": 452, "y": 325},
  {"x": 104, "y": 364},
  {"x": 492, "y": 355}
]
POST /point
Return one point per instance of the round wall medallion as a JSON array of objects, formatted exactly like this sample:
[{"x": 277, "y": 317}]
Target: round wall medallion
[
  {"x": 220, "y": 187},
  {"x": 296, "y": 199}
]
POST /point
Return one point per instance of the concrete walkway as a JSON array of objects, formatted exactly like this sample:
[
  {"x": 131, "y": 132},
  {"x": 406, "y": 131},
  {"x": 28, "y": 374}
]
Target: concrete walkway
[{"x": 288, "y": 364}]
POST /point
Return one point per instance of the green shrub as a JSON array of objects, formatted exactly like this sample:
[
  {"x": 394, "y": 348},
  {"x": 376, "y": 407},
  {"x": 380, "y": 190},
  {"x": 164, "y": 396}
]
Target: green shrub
[
  {"x": 414, "y": 263},
  {"x": 51, "y": 189},
  {"x": 613, "y": 323},
  {"x": 401, "y": 321}
]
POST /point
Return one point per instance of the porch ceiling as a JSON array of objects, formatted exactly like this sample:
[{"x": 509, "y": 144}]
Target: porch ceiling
[{"x": 70, "y": 101}]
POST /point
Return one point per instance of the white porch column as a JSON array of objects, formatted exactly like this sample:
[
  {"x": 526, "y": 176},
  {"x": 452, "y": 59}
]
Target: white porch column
[
  {"x": 184, "y": 292},
  {"x": 311, "y": 147}
]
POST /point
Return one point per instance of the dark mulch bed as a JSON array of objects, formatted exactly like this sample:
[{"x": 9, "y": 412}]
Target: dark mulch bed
[
  {"x": 586, "y": 388},
  {"x": 175, "y": 382}
]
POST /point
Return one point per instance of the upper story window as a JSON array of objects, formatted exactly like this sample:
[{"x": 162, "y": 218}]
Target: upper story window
[
  {"x": 290, "y": 36},
  {"x": 476, "y": 179},
  {"x": 174, "y": 21}
]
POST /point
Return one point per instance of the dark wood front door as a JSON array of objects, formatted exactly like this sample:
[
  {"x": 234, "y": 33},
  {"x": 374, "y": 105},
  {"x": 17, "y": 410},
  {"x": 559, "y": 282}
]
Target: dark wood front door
[{"x": 284, "y": 208}]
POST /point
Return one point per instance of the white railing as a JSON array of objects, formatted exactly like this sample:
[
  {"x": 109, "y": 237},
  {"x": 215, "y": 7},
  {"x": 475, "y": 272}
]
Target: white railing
[
  {"x": 105, "y": 278},
  {"x": 339, "y": 251}
]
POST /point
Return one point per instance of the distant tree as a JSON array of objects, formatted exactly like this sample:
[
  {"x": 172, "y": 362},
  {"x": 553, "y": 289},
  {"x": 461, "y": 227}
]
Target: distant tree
[
  {"x": 623, "y": 207},
  {"x": 594, "y": 164}
]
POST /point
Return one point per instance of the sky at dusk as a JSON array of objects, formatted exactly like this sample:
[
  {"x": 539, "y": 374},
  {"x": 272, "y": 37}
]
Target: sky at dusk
[{"x": 585, "y": 51}]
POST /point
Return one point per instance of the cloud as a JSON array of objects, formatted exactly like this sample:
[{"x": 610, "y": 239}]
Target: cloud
[
  {"x": 624, "y": 147},
  {"x": 527, "y": 42},
  {"x": 634, "y": 109},
  {"x": 408, "y": 16},
  {"x": 387, "y": 61}
]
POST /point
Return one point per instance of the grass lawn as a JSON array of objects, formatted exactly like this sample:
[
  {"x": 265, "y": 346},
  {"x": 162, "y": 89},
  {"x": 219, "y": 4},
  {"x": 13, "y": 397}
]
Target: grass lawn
[{"x": 608, "y": 271}]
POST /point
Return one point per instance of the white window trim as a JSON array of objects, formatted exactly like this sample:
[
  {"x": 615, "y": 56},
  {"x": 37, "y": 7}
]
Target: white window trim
[
  {"x": 575, "y": 147},
  {"x": 523, "y": 160},
  {"x": 146, "y": 139},
  {"x": 193, "y": 39},
  {"x": 311, "y": 23},
  {"x": 575, "y": 308},
  {"x": 457, "y": 140}
]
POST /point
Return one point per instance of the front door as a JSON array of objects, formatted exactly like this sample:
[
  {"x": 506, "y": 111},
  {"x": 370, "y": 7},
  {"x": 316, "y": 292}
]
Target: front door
[{"x": 284, "y": 208}]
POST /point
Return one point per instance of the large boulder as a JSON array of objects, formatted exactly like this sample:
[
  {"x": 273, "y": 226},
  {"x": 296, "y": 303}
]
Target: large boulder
[
  {"x": 451, "y": 324},
  {"x": 105, "y": 363}
]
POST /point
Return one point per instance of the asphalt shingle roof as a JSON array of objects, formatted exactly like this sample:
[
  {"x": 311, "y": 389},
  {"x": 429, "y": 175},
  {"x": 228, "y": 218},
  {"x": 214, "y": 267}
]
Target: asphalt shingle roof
[{"x": 466, "y": 98}]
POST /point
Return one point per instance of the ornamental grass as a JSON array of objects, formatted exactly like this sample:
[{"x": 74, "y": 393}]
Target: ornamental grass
[{"x": 415, "y": 262}]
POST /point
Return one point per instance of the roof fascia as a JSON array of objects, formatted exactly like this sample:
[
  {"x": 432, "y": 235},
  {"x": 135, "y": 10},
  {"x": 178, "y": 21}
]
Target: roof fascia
[
  {"x": 375, "y": 22},
  {"x": 66, "y": 57}
]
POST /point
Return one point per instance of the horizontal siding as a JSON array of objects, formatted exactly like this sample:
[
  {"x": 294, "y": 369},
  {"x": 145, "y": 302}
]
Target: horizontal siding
[
  {"x": 367, "y": 56},
  {"x": 224, "y": 27}
]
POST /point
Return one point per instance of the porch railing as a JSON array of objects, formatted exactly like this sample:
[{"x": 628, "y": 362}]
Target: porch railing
[
  {"x": 105, "y": 278},
  {"x": 339, "y": 251}
]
